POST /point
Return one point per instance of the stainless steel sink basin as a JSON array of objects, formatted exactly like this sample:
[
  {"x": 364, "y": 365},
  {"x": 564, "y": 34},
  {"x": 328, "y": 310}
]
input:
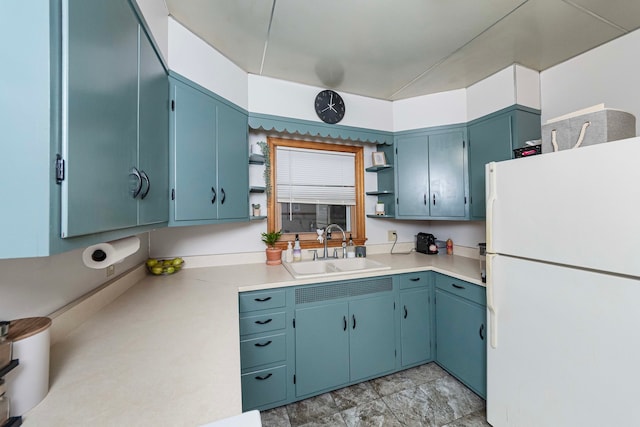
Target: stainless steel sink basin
[{"x": 332, "y": 267}]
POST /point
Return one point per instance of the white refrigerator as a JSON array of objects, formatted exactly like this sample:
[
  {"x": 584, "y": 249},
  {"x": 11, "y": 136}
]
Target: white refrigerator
[{"x": 563, "y": 288}]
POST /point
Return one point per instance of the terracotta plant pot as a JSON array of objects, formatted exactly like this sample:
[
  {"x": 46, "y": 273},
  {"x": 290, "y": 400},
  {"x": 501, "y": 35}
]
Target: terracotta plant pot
[{"x": 274, "y": 256}]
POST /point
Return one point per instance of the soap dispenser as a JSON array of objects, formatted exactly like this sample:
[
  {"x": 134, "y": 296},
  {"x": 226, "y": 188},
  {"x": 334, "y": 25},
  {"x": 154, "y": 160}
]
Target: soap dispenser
[
  {"x": 297, "y": 252},
  {"x": 289, "y": 254},
  {"x": 351, "y": 249}
]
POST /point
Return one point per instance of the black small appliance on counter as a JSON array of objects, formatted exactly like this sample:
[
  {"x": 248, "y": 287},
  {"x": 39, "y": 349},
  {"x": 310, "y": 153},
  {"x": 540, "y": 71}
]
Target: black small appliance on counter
[{"x": 426, "y": 244}]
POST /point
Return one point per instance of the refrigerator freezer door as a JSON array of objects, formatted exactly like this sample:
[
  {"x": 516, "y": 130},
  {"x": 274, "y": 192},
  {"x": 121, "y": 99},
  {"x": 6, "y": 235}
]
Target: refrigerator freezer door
[
  {"x": 575, "y": 207},
  {"x": 568, "y": 349}
]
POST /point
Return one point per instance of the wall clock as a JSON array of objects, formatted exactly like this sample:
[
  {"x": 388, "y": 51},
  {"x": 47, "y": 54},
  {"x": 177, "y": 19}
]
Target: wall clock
[{"x": 329, "y": 106}]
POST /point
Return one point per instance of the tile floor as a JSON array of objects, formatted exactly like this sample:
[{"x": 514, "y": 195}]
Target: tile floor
[{"x": 422, "y": 396}]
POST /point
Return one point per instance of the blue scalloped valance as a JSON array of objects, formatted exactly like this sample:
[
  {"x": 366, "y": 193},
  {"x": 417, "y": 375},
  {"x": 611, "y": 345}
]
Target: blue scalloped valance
[{"x": 307, "y": 127}]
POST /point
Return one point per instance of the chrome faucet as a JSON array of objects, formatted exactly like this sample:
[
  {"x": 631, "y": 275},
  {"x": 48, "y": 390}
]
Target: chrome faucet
[{"x": 325, "y": 253}]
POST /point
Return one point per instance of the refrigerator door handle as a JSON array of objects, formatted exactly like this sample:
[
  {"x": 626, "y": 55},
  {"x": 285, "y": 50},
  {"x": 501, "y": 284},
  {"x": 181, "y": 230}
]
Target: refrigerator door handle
[
  {"x": 491, "y": 198},
  {"x": 491, "y": 307}
]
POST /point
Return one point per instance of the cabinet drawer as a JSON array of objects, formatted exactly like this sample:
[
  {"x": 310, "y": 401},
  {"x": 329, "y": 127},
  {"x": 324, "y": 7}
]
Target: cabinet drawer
[
  {"x": 461, "y": 288},
  {"x": 263, "y": 387},
  {"x": 263, "y": 350},
  {"x": 262, "y": 300},
  {"x": 414, "y": 280},
  {"x": 262, "y": 323}
]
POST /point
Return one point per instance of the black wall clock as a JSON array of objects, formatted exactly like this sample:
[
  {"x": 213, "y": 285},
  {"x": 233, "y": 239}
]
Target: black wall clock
[{"x": 329, "y": 106}]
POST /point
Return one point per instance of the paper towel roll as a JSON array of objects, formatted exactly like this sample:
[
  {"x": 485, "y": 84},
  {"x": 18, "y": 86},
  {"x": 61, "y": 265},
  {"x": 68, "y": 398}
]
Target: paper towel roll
[{"x": 105, "y": 254}]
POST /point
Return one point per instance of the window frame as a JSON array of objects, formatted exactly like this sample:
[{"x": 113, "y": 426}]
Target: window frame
[{"x": 308, "y": 240}]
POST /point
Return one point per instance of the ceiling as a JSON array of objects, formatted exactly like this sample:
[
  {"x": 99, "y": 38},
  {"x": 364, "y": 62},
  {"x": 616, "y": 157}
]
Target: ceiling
[{"x": 400, "y": 49}]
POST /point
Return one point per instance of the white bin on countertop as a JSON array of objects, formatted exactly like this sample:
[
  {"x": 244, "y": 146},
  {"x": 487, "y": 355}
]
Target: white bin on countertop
[{"x": 28, "y": 383}]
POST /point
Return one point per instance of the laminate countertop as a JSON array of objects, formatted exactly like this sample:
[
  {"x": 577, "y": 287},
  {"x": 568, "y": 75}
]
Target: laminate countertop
[{"x": 167, "y": 351}]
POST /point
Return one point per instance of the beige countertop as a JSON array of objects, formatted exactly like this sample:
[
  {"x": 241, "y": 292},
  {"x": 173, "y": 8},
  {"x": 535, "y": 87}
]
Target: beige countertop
[{"x": 167, "y": 351}]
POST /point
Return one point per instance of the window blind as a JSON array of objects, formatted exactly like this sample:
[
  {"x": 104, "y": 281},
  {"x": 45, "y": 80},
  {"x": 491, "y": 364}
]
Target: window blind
[{"x": 315, "y": 176}]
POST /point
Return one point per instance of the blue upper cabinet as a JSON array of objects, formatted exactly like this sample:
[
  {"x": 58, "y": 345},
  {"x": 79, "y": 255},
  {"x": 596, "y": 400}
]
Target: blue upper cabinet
[
  {"x": 153, "y": 136},
  {"x": 431, "y": 174},
  {"x": 84, "y": 86},
  {"x": 493, "y": 138},
  {"x": 100, "y": 116},
  {"x": 209, "y": 173}
]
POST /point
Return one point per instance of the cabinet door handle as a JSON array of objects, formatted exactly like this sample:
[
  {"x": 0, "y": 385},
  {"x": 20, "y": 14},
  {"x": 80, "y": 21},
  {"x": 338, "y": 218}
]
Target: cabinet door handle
[
  {"x": 146, "y": 179},
  {"x": 414, "y": 279},
  {"x": 213, "y": 200},
  {"x": 262, "y": 299},
  {"x": 457, "y": 286},
  {"x": 224, "y": 196},
  {"x": 259, "y": 378},
  {"x": 481, "y": 332},
  {"x": 262, "y": 345},
  {"x": 353, "y": 317},
  {"x": 434, "y": 199},
  {"x": 425, "y": 199},
  {"x": 263, "y": 322},
  {"x": 136, "y": 173},
  {"x": 344, "y": 318},
  {"x": 406, "y": 313}
]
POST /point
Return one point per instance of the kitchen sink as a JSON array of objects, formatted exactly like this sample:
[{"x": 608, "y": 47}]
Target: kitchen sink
[{"x": 332, "y": 267}]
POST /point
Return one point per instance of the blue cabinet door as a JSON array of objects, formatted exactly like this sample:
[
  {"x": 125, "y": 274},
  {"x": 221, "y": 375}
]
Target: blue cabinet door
[
  {"x": 461, "y": 346},
  {"x": 412, "y": 166},
  {"x": 447, "y": 175},
  {"x": 415, "y": 325},
  {"x": 493, "y": 138},
  {"x": 233, "y": 172},
  {"x": 372, "y": 334},
  {"x": 193, "y": 168},
  {"x": 100, "y": 111},
  {"x": 153, "y": 135},
  {"x": 322, "y": 347}
]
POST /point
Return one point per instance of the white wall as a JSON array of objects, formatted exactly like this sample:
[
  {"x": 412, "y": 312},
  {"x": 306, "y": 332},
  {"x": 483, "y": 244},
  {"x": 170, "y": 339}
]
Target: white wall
[
  {"x": 191, "y": 57},
  {"x": 444, "y": 108},
  {"x": 609, "y": 74},
  {"x": 289, "y": 99},
  {"x": 155, "y": 14},
  {"x": 39, "y": 286}
]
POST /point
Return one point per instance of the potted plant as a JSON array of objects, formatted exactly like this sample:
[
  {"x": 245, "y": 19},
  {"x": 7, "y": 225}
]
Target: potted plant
[{"x": 274, "y": 255}]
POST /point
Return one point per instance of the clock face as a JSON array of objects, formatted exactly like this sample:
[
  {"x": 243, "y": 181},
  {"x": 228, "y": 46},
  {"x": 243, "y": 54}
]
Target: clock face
[{"x": 329, "y": 106}]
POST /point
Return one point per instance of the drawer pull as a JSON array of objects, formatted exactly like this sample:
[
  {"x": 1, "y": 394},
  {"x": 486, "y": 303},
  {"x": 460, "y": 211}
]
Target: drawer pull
[
  {"x": 263, "y": 322},
  {"x": 344, "y": 318},
  {"x": 259, "y": 378},
  {"x": 481, "y": 332},
  {"x": 263, "y": 345},
  {"x": 457, "y": 286},
  {"x": 414, "y": 279},
  {"x": 406, "y": 313},
  {"x": 353, "y": 316},
  {"x": 262, "y": 299}
]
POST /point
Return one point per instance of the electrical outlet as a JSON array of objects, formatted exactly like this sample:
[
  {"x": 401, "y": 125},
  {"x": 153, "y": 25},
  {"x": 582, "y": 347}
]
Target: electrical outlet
[
  {"x": 111, "y": 270},
  {"x": 391, "y": 235}
]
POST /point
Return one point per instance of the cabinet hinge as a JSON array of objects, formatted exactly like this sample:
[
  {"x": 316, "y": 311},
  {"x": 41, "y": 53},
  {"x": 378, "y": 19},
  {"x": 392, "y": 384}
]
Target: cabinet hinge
[
  {"x": 173, "y": 105},
  {"x": 294, "y": 323},
  {"x": 294, "y": 378},
  {"x": 173, "y": 194},
  {"x": 396, "y": 150},
  {"x": 465, "y": 200},
  {"x": 394, "y": 305},
  {"x": 59, "y": 169}
]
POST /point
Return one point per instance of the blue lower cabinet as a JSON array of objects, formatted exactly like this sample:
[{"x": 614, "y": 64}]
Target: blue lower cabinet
[
  {"x": 416, "y": 313},
  {"x": 342, "y": 342},
  {"x": 263, "y": 350},
  {"x": 264, "y": 387},
  {"x": 461, "y": 332},
  {"x": 322, "y": 347}
]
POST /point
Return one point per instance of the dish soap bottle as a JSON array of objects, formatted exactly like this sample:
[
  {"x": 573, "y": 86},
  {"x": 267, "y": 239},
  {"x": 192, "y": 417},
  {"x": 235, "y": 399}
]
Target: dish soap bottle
[
  {"x": 289, "y": 254},
  {"x": 297, "y": 252},
  {"x": 351, "y": 248}
]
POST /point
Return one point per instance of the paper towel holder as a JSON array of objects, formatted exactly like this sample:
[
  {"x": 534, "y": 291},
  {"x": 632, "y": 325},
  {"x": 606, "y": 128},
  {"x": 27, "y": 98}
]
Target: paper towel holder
[{"x": 98, "y": 255}]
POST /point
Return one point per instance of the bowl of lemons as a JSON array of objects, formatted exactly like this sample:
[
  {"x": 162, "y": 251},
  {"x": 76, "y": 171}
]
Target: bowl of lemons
[{"x": 160, "y": 267}]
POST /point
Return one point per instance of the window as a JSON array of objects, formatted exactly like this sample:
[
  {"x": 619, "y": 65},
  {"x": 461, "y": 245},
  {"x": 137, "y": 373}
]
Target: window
[{"x": 313, "y": 185}]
